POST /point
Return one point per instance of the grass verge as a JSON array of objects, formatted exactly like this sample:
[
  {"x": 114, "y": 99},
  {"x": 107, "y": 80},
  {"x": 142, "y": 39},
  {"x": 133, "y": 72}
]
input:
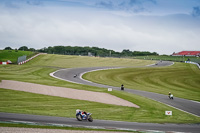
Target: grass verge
[
  {"x": 149, "y": 111},
  {"x": 181, "y": 79},
  {"x": 61, "y": 128},
  {"x": 13, "y": 55}
]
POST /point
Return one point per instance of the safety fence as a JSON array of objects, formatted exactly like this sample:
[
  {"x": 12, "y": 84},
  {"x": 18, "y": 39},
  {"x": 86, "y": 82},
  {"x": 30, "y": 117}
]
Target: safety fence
[
  {"x": 25, "y": 61},
  {"x": 21, "y": 59}
]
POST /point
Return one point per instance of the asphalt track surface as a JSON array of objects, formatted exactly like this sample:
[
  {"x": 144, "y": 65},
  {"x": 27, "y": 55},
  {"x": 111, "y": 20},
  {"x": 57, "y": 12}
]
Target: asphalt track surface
[
  {"x": 68, "y": 74},
  {"x": 98, "y": 124}
]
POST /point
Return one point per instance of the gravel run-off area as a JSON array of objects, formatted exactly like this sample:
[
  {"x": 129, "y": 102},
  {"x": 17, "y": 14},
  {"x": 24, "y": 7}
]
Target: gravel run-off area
[
  {"x": 61, "y": 92},
  {"x": 65, "y": 92}
]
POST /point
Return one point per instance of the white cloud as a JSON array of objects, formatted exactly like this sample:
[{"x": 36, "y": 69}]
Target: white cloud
[{"x": 38, "y": 27}]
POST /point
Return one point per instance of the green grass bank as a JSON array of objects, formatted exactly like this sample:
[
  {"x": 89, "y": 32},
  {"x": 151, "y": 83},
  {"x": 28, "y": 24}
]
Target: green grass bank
[
  {"x": 181, "y": 79},
  {"x": 13, "y": 55},
  {"x": 37, "y": 71}
]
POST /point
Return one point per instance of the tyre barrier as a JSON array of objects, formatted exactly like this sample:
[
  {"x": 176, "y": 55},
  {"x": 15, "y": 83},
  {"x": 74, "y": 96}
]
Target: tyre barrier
[{"x": 4, "y": 63}]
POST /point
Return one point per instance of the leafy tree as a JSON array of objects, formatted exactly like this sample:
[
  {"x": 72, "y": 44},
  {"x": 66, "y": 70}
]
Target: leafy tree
[
  {"x": 127, "y": 52},
  {"x": 59, "y": 49},
  {"x": 31, "y": 49},
  {"x": 8, "y": 48},
  {"x": 77, "y": 50},
  {"x": 23, "y": 48},
  {"x": 50, "y": 50}
]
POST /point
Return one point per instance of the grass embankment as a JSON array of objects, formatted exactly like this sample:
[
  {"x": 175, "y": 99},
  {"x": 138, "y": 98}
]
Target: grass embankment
[
  {"x": 13, "y": 55},
  {"x": 37, "y": 71},
  {"x": 181, "y": 79}
]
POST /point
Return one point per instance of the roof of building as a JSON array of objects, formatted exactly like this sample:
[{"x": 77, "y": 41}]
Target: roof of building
[{"x": 189, "y": 53}]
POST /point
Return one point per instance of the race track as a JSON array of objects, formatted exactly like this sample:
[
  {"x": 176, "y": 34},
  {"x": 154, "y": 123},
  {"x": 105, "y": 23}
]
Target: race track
[
  {"x": 98, "y": 124},
  {"x": 189, "y": 106},
  {"x": 68, "y": 74}
]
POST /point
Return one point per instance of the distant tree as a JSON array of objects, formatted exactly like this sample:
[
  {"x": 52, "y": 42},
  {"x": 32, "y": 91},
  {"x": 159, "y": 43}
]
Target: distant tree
[
  {"x": 77, "y": 50},
  {"x": 154, "y": 53},
  {"x": 23, "y": 48},
  {"x": 126, "y": 52},
  {"x": 43, "y": 50},
  {"x": 59, "y": 49},
  {"x": 8, "y": 48},
  {"x": 31, "y": 49},
  {"x": 50, "y": 50}
]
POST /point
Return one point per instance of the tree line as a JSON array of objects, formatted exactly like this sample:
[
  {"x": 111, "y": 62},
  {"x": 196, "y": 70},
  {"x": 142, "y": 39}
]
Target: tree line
[{"x": 85, "y": 51}]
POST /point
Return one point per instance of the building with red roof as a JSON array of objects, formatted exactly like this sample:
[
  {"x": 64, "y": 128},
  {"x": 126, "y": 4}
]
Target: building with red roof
[{"x": 187, "y": 53}]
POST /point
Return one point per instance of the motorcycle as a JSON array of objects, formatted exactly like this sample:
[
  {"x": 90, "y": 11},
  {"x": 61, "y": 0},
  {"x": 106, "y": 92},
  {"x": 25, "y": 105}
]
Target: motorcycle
[
  {"x": 81, "y": 115},
  {"x": 171, "y": 97},
  {"x": 122, "y": 87}
]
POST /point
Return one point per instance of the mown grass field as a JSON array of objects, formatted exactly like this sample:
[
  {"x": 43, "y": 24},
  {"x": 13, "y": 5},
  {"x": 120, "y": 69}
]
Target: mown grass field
[
  {"x": 13, "y": 55},
  {"x": 37, "y": 71},
  {"x": 181, "y": 79}
]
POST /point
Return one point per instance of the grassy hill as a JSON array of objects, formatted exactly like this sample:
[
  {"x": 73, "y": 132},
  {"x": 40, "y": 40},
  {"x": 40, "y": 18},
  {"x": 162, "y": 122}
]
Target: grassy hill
[
  {"x": 13, "y": 55},
  {"x": 181, "y": 79},
  {"x": 37, "y": 71}
]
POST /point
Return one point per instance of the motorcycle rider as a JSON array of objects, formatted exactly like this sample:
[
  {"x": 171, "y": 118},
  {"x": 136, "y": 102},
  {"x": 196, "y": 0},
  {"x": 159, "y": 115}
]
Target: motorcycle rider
[
  {"x": 122, "y": 87},
  {"x": 84, "y": 112},
  {"x": 75, "y": 75},
  {"x": 171, "y": 96}
]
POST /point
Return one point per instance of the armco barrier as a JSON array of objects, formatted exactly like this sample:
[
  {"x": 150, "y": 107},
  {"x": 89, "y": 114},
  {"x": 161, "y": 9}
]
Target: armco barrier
[
  {"x": 193, "y": 63},
  {"x": 20, "y": 63}
]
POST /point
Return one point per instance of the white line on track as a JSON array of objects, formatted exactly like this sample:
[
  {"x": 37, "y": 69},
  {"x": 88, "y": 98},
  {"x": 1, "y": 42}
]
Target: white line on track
[{"x": 176, "y": 108}]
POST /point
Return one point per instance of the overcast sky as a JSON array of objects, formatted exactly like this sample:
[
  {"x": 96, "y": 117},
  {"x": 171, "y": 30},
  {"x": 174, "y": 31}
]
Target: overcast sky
[{"x": 162, "y": 26}]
